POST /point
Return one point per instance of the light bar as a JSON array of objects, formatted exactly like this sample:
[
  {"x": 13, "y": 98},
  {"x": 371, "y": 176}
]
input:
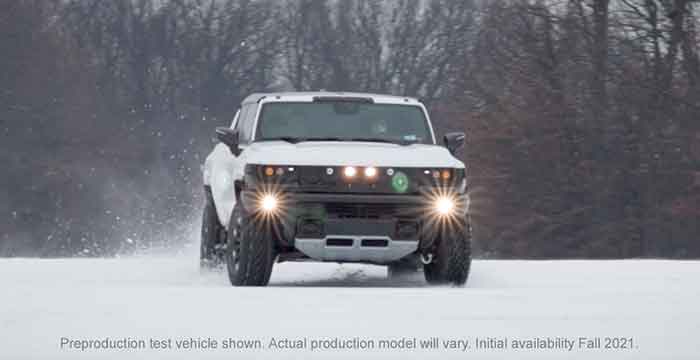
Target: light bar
[
  {"x": 350, "y": 171},
  {"x": 370, "y": 172}
]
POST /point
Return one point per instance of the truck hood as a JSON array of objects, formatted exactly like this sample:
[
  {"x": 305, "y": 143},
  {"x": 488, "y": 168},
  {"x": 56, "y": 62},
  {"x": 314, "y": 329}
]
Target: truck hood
[{"x": 350, "y": 154}]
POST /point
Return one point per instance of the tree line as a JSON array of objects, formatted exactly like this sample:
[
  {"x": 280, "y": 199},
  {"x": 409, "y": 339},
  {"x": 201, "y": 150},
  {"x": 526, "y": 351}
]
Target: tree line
[{"x": 582, "y": 116}]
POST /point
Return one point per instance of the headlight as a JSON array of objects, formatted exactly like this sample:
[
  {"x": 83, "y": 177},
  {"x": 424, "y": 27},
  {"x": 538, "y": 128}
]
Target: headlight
[
  {"x": 444, "y": 206},
  {"x": 269, "y": 203}
]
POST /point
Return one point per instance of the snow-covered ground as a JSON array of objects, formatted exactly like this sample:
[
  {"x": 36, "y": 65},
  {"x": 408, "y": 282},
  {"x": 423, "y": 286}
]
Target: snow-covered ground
[{"x": 656, "y": 303}]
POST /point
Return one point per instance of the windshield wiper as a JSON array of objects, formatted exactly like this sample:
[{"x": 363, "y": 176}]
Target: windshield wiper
[
  {"x": 295, "y": 140},
  {"x": 330, "y": 138},
  {"x": 289, "y": 139},
  {"x": 382, "y": 140}
]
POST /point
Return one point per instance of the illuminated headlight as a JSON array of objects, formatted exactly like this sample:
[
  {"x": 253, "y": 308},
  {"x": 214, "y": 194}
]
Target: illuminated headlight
[
  {"x": 269, "y": 203},
  {"x": 445, "y": 206}
]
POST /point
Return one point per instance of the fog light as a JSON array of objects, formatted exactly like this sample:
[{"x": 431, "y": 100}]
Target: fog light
[
  {"x": 444, "y": 206},
  {"x": 268, "y": 203}
]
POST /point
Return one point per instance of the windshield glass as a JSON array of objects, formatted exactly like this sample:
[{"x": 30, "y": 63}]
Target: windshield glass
[{"x": 343, "y": 121}]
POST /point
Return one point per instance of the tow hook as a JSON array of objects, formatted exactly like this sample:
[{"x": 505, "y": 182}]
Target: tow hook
[{"x": 426, "y": 259}]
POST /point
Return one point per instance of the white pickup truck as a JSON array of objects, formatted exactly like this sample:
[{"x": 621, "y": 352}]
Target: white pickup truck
[{"x": 340, "y": 177}]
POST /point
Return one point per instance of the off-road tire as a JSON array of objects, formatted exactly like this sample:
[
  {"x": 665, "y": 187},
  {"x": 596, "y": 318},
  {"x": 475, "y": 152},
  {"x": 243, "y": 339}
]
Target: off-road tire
[
  {"x": 451, "y": 257},
  {"x": 213, "y": 235},
  {"x": 250, "y": 251}
]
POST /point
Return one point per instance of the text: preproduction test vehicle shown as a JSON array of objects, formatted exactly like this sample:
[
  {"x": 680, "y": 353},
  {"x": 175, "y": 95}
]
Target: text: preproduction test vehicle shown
[{"x": 340, "y": 177}]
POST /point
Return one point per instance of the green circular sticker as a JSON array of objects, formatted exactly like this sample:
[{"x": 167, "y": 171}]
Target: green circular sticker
[{"x": 400, "y": 182}]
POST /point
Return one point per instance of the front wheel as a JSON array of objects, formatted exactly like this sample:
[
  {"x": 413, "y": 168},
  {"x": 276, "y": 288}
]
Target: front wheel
[
  {"x": 249, "y": 250},
  {"x": 452, "y": 256}
]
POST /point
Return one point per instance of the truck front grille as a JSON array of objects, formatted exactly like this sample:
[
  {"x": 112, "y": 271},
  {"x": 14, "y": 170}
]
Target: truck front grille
[{"x": 368, "y": 211}]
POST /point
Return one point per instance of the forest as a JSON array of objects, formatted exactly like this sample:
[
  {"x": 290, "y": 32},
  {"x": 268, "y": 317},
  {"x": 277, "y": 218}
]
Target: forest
[{"x": 582, "y": 116}]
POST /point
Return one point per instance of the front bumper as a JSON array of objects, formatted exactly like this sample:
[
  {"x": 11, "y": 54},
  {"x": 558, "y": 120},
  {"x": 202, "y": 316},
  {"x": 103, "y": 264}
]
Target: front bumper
[{"x": 349, "y": 227}]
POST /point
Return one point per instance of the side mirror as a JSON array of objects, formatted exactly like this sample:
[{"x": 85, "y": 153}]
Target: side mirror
[
  {"x": 230, "y": 138},
  {"x": 454, "y": 141}
]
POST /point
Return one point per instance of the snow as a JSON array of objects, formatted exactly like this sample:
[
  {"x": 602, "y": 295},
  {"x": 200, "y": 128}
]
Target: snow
[{"x": 654, "y": 302}]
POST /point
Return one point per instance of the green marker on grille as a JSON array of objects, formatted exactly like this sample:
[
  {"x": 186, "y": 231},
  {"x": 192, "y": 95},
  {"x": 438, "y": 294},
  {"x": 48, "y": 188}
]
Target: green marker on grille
[{"x": 400, "y": 182}]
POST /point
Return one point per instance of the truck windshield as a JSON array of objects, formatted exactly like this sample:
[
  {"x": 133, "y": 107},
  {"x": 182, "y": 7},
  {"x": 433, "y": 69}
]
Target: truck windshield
[{"x": 343, "y": 121}]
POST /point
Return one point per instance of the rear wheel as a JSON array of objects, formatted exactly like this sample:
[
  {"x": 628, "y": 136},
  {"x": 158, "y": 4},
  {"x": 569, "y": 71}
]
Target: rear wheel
[
  {"x": 452, "y": 256},
  {"x": 250, "y": 250},
  {"x": 213, "y": 235}
]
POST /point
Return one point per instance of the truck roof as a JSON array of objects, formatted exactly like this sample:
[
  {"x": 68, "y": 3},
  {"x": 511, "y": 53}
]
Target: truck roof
[{"x": 309, "y": 95}]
